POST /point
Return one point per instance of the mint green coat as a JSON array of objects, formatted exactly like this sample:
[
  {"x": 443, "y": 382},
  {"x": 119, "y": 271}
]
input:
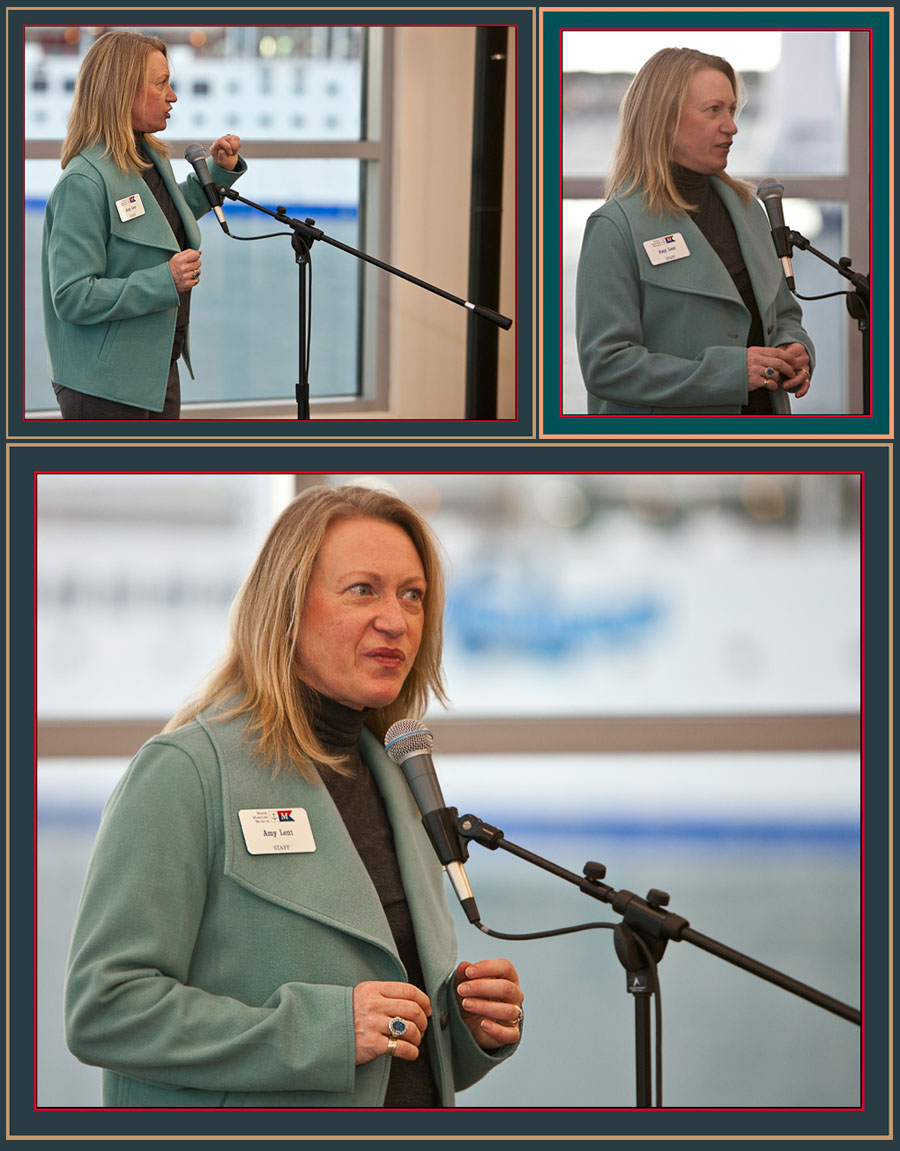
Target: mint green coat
[
  {"x": 110, "y": 301},
  {"x": 672, "y": 338},
  {"x": 200, "y": 975}
]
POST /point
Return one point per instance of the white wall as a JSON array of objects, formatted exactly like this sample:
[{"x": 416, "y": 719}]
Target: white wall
[{"x": 435, "y": 71}]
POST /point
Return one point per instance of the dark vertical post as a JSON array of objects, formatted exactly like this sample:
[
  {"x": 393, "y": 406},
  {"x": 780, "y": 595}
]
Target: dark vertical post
[{"x": 484, "y": 230}]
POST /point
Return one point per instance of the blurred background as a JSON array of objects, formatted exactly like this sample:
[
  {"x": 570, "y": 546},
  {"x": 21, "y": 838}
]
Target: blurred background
[
  {"x": 322, "y": 113},
  {"x": 658, "y": 672},
  {"x": 805, "y": 124}
]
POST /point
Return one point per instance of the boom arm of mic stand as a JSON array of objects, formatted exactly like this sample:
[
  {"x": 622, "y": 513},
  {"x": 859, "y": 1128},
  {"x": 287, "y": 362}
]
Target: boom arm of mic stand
[
  {"x": 311, "y": 233},
  {"x": 649, "y": 918},
  {"x": 857, "y": 279}
]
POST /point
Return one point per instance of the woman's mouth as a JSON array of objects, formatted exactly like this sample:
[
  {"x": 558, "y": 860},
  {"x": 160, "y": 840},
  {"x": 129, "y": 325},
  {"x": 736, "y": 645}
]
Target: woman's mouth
[{"x": 389, "y": 657}]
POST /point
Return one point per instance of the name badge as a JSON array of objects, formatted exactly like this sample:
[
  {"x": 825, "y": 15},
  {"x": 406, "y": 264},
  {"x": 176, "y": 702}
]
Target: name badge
[
  {"x": 666, "y": 248},
  {"x": 272, "y": 830},
  {"x": 130, "y": 207}
]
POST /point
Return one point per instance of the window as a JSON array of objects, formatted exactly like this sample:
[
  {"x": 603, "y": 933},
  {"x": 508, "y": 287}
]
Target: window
[{"x": 150, "y": 562}]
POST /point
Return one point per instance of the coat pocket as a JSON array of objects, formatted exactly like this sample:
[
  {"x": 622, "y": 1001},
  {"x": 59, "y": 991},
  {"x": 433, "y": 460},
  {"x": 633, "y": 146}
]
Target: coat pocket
[{"x": 109, "y": 339}]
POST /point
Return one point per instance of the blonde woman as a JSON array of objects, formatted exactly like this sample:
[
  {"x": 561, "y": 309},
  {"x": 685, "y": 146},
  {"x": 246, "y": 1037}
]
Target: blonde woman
[
  {"x": 208, "y": 968},
  {"x": 681, "y": 302},
  {"x": 121, "y": 243}
]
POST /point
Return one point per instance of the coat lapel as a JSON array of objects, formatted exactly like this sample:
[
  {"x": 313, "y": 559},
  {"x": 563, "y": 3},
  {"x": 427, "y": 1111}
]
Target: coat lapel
[
  {"x": 701, "y": 273},
  {"x": 191, "y": 228},
  {"x": 331, "y": 883},
  {"x": 756, "y": 247},
  {"x": 423, "y": 876},
  {"x": 151, "y": 228}
]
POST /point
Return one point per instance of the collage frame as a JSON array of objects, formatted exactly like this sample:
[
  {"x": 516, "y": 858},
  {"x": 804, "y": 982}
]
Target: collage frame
[{"x": 539, "y": 439}]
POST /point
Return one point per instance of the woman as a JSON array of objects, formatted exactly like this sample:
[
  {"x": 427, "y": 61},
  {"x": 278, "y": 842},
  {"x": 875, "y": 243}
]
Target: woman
[
  {"x": 121, "y": 243},
  {"x": 681, "y": 303},
  {"x": 211, "y": 967}
]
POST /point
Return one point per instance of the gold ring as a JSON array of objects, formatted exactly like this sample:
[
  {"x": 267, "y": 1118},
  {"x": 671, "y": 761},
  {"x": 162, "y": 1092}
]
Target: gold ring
[
  {"x": 519, "y": 1017},
  {"x": 392, "y": 1046}
]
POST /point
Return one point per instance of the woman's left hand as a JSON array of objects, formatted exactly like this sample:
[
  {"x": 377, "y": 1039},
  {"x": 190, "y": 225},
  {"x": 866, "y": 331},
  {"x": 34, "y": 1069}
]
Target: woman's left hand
[
  {"x": 225, "y": 151},
  {"x": 798, "y": 384},
  {"x": 490, "y": 1001}
]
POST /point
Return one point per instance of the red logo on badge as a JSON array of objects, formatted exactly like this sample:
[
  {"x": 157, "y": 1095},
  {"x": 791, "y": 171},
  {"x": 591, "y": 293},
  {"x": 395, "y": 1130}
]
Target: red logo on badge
[{"x": 285, "y": 816}]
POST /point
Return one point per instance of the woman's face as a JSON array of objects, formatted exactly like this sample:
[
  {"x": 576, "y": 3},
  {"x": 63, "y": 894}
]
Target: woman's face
[
  {"x": 154, "y": 98},
  {"x": 706, "y": 129},
  {"x": 364, "y": 613}
]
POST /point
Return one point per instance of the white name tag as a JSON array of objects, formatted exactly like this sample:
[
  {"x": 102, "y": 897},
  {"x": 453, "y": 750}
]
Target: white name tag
[
  {"x": 130, "y": 207},
  {"x": 666, "y": 248},
  {"x": 272, "y": 830}
]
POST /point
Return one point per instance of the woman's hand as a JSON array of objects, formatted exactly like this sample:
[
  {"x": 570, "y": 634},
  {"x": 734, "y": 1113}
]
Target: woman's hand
[
  {"x": 491, "y": 1001},
  {"x": 225, "y": 151},
  {"x": 185, "y": 269},
  {"x": 375, "y": 1005},
  {"x": 776, "y": 360},
  {"x": 799, "y": 357}
]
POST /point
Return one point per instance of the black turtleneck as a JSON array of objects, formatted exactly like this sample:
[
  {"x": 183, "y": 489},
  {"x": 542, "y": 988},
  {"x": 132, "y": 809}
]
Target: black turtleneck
[
  {"x": 362, "y": 808},
  {"x": 156, "y": 184},
  {"x": 711, "y": 217}
]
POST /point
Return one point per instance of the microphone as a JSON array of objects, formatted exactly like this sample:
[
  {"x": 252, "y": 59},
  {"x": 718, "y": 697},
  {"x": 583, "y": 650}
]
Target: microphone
[
  {"x": 770, "y": 192},
  {"x": 196, "y": 154},
  {"x": 409, "y": 744}
]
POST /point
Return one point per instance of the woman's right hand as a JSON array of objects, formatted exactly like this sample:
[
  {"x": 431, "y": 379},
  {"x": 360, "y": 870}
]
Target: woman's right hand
[
  {"x": 185, "y": 269},
  {"x": 759, "y": 359},
  {"x": 375, "y": 1005}
]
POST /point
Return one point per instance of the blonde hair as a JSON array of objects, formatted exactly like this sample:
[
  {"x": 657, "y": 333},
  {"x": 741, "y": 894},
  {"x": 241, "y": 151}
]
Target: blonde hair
[
  {"x": 258, "y": 677},
  {"x": 648, "y": 121},
  {"x": 109, "y": 79}
]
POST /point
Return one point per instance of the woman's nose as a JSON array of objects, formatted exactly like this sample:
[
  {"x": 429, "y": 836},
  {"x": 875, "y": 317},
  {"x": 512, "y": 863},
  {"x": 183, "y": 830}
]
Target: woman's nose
[{"x": 390, "y": 617}]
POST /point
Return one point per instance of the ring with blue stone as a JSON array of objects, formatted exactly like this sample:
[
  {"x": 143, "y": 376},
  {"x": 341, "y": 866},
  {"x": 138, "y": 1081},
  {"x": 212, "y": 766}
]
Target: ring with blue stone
[
  {"x": 397, "y": 1027},
  {"x": 769, "y": 373}
]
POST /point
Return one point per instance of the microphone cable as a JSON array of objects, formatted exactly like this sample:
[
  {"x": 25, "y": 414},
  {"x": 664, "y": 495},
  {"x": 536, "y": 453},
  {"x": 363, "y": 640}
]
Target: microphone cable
[{"x": 655, "y": 989}]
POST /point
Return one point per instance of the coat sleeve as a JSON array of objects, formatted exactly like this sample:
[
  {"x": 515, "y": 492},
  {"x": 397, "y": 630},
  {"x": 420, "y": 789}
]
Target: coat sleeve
[
  {"x": 129, "y": 1005},
  {"x": 470, "y": 1062},
  {"x": 80, "y": 289},
  {"x": 612, "y": 346}
]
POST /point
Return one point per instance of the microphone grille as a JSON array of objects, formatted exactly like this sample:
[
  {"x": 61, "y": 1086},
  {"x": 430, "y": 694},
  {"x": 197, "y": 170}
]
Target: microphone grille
[
  {"x": 769, "y": 187},
  {"x": 405, "y": 737},
  {"x": 195, "y": 152}
]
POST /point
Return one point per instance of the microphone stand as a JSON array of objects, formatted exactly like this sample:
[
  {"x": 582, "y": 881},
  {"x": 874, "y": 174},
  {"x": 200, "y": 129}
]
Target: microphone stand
[
  {"x": 304, "y": 235},
  {"x": 857, "y": 300},
  {"x": 640, "y": 940}
]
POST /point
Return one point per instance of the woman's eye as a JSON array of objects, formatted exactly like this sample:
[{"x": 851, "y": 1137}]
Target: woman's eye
[
  {"x": 361, "y": 589},
  {"x": 415, "y": 594}
]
